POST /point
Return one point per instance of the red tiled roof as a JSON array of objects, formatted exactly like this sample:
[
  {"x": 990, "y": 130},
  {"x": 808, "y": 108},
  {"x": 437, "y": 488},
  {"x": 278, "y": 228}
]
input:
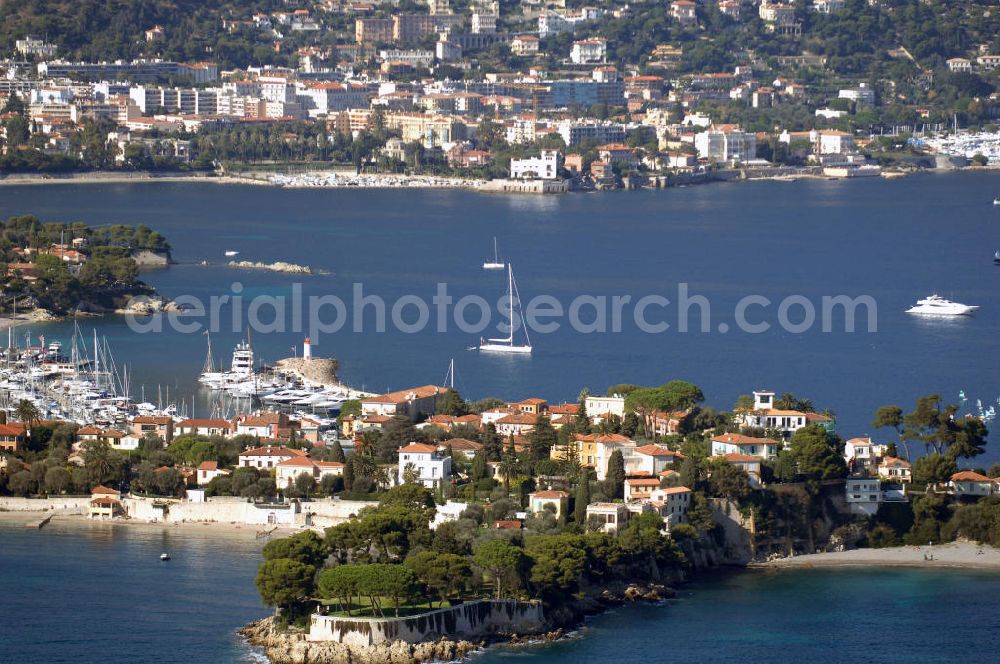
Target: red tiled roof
[
  {"x": 549, "y": 494},
  {"x": 151, "y": 419},
  {"x": 205, "y": 423},
  {"x": 419, "y": 448},
  {"x": 740, "y": 439},
  {"x": 402, "y": 396},
  {"x": 462, "y": 444},
  {"x": 642, "y": 481},
  {"x": 968, "y": 476},
  {"x": 273, "y": 451},
  {"x": 657, "y": 450}
]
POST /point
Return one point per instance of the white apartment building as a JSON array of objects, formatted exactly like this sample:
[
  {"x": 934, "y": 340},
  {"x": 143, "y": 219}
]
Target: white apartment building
[
  {"x": 428, "y": 466},
  {"x": 725, "y": 145},
  {"x": 484, "y": 23},
  {"x": 589, "y": 51},
  {"x": 544, "y": 167},
  {"x": 324, "y": 98},
  {"x": 863, "y": 495}
]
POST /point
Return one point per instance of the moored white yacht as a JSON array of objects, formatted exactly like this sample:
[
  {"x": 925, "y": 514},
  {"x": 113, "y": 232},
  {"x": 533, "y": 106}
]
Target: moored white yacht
[
  {"x": 936, "y": 305},
  {"x": 496, "y": 263},
  {"x": 506, "y": 344}
]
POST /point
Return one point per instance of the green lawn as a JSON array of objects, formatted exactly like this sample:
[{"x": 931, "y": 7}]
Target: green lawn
[{"x": 364, "y": 609}]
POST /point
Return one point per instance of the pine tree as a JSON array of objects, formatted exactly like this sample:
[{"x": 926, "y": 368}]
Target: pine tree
[{"x": 542, "y": 438}]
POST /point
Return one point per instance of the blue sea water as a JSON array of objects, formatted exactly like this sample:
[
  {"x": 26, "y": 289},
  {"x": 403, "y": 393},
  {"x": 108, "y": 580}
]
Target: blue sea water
[
  {"x": 99, "y": 593},
  {"x": 895, "y": 240},
  {"x": 882, "y": 615}
]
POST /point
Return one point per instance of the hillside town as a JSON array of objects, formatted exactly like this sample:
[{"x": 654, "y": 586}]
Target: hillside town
[
  {"x": 599, "y": 461},
  {"x": 542, "y": 97}
]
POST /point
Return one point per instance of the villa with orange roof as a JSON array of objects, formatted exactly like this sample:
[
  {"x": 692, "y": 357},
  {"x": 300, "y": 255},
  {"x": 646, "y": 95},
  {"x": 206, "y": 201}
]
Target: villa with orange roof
[
  {"x": 412, "y": 403},
  {"x": 267, "y": 457},
  {"x": 205, "y": 427},
  {"x": 672, "y": 504},
  {"x": 650, "y": 460},
  {"x": 539, "y": 500},
  {"x": 460, "y": 447},
  {"x": 765, "y": 416},
  {"x": 208, "y": 471},
  {"x": 735, "y": 443},
  {"x": 287, "y": 471},
  {"x": 640, "y": 488},
  {"x": 747, "y": 463},
  {"x": 971, "y": 483},
  {"x": 423, "y": 464},
  {"x": 895, "y": 470}
]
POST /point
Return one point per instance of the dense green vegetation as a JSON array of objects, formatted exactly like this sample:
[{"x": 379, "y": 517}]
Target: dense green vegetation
[
  {"x": 106, "y": 270},
  {"x": 105, "y": 30},
  {"x": 389, "y": 562}
]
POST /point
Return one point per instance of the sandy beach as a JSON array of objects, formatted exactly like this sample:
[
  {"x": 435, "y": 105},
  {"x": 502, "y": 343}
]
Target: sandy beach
[
  {"x": 201, "y": 528},
  {"x": 956, "y": 554}
]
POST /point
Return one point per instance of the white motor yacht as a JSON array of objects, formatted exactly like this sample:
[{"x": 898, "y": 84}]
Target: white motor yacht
[{"x": 938, "y": 306}]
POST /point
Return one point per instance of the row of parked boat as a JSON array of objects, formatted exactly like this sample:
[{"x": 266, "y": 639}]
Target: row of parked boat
[
  {"x": 81, "y": 385},
  {"x": 244, "y": 380}
]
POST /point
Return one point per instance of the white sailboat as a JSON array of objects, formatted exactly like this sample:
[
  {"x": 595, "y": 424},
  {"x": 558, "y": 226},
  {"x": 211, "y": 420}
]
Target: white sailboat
[
  {"x": 506, "y": 344},
  {"x": 495, "y": 264}
]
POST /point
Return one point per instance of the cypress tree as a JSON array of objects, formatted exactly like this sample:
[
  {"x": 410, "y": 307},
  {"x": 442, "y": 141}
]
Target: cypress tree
[
  {"x": 582, "y": 500},
  {"x": 337, "y": 452},
  {"x": 349, "y": 474},
  {"x": 615, "y": 477}
]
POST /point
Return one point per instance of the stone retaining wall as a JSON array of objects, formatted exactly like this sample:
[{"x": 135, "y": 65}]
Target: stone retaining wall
[
  {"x": 66, "y": 505},
  {"x": 472, "y": 620}
]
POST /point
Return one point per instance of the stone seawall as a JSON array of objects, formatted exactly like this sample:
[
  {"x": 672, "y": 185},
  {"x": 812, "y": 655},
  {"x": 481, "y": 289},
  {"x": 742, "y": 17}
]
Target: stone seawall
[
  {"x": 472, "y": 620},
  {"x": 525, "y": 187},
  {"x": 65, "y": 505},
  {"x": 226, "y": 509}
]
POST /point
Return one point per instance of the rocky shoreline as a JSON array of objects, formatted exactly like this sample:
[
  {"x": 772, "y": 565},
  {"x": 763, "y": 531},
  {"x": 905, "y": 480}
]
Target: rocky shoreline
[
  {"x": 277, "y": 266},
  {"x": 293, "y": 647}
]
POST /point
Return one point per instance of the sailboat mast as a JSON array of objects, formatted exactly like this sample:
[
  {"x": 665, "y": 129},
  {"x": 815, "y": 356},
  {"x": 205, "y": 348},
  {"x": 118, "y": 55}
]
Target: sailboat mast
[{"x": 510, "y": 300}]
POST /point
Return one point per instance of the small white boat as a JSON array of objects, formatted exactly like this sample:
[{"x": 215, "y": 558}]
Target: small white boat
[
  {"x": 164, "y": 556},
  {"x": 996, "y": 201},
  {"x": 232, "y": 253},
  {"x": 495, "y": 264},
  {"x": 938, "y": 306}
]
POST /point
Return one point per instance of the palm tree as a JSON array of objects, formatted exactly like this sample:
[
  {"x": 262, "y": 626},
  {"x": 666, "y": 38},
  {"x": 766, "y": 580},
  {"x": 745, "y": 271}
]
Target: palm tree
[
  {"x": 364, "y": 465},
  {"x": 410, "y": 474},
  {"x": 508, "y": 469},
  {"x": 29, "y": 414}
]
